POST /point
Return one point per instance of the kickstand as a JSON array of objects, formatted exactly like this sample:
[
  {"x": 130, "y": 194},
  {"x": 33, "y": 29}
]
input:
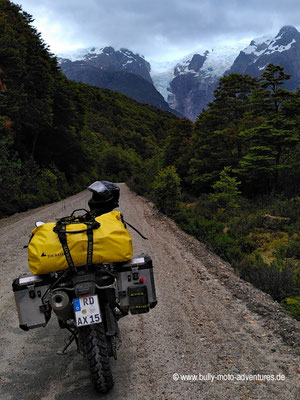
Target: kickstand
[{"x": 70, "y": 340}]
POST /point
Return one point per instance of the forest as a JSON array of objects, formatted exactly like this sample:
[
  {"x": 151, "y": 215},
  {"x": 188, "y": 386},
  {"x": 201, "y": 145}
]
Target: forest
[
  {"x": 231, "y": 179},
  {"x": 58, "y": 135}
]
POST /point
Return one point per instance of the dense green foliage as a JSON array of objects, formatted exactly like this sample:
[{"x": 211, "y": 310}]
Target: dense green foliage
[
  {"x": 166, "y": 190},
  {"x": 237, "y": 164},
  {"x": 56, "y": 136},
  {"x": 252, "y": 127}
]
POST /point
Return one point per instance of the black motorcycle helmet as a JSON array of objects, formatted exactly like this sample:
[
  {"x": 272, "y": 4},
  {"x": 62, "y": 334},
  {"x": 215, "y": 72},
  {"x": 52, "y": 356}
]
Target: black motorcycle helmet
[{"x": 105, "y": 197}]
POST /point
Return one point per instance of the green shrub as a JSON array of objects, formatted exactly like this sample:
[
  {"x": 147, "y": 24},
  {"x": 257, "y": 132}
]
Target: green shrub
[
  {"x": 245, "y": 224},
  {"x": 210, "y": 232},
  {"x": 26, "y": 201},
  {"x": 166, "y": 190},
  {"x": 226, "y": 194},
  {"x": 289, "y": 250},
  {"x": 47, "y": 186},
  {"x": 117, "y": 164},
  {"x": 225, "y": 246},
  {"x": 284, "y": 207},
  {"x": 292, "y": 305},
  {"x": 245, "y": 244},
  {"x": 196, "y": 225},
  {"x": 142, "y": 181},
  {"x": 279, "y": 279}
]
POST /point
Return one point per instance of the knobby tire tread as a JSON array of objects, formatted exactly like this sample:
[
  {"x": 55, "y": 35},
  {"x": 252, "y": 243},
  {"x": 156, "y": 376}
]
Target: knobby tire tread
[{"x": 94, "y": 343}]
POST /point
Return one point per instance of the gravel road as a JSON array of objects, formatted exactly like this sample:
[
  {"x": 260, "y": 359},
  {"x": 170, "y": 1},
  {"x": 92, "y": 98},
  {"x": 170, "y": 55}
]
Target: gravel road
[{"x": 208, "y": 324}]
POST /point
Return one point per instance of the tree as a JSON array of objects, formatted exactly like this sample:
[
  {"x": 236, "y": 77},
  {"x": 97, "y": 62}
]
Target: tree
[
  {"x": 272, "y": 137},
  {"x": 272, "y": 80},
  {"x": 177, "y": 149},
  {"x": 118, "y": 164},
  {"x": 28, "y": 72},
  {"x": 226, "y": 191},
  {"x": 167, "y": 190},
  {"x": 217, "y": 139}
]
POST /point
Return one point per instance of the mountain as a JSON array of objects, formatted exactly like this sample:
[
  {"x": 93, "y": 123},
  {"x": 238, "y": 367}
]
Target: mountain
[
  {"x": 120, "y": 70},
  {"x": 283, "y": 49},
  {"x": 187, "y": 87},
  {"x": 196, "y": 78},
  {"x": 107, "y": 58}
]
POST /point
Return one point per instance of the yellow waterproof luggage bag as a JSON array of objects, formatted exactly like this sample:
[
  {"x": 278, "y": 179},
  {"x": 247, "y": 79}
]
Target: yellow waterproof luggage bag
[{"x": 54, "y": 247}]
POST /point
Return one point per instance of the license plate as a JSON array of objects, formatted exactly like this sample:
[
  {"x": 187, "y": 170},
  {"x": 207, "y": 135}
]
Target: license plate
[{"x": 87, "y": 310}]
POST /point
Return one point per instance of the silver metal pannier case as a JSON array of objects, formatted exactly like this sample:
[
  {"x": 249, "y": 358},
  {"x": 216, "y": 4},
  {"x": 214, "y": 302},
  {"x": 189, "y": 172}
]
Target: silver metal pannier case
[
  {"x": 136, "y": 288},
  {"x": 29, "y": 291}
]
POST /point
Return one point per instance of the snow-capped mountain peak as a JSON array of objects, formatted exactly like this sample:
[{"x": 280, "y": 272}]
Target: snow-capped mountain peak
[
  {"x": 258, "y": 46},
  {"x": 107, "y": 58},
  {"x": 266, "y": 45},
  {"x": 213, "y": 62},
  {"x": 202, "y": 65},
  {"x": 89, "y": 52}
]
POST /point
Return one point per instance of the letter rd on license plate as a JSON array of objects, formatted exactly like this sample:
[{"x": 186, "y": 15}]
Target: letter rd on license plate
[{"x": 87, "y": 311}]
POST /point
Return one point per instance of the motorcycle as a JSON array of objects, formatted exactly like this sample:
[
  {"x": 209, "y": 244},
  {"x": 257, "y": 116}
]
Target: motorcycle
[{"x": 88, "y": 301}]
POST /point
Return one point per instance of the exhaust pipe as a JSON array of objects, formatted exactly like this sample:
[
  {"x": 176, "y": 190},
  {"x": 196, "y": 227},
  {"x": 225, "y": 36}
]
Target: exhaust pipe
[{"x": 61, "y": 305}]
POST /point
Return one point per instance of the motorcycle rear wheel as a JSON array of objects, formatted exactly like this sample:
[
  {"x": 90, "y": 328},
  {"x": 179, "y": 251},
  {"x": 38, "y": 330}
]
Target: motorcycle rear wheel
[{"x": 93, "y": 342}]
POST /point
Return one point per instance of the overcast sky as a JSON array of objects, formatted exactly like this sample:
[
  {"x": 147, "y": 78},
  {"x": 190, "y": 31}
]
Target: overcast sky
[{"x": 161, "y": 30}]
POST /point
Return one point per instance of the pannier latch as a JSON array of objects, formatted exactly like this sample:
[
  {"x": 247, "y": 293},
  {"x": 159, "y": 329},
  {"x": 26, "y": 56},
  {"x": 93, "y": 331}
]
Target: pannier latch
[
  {"x": 135, "y": 273},
  {"x": 31, "y": 290}
]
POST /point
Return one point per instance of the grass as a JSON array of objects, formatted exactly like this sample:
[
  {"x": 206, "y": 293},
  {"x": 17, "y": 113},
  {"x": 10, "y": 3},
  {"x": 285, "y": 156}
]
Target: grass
[
  {"x": 268, "y": 257},
  {"x": 267, "y": 243}
]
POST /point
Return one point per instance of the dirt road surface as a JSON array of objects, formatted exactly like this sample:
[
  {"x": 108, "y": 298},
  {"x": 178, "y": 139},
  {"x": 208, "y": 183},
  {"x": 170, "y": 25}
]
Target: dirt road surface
[{"x": 208, "y": 323}]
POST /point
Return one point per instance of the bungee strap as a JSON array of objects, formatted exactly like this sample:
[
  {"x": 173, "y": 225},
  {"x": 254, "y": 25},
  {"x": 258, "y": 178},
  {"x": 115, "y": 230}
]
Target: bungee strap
[{"x": 131, "y": 226}]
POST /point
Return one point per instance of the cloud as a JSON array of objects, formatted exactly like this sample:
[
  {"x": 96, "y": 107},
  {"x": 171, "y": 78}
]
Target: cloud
[{"x": 157, "y": 28}]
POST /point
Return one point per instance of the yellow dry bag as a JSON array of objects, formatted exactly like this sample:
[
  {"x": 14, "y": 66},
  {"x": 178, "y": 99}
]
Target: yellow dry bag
[{"x": 57, "y": 246}]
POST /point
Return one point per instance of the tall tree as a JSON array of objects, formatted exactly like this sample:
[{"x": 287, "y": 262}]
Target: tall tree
[
  {"x": 217, "y": 140},
  {"x": 272, "y": 137},
  {"x": 177, "y": 149},
  {"x": 28, "y": 72}
]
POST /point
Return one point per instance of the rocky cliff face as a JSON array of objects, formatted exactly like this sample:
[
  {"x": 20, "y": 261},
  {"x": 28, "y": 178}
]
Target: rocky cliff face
[
  {"x": 283, "y": 49},
  {"x": 196, "y": 78},
  {"x": 190, "y": 93}
]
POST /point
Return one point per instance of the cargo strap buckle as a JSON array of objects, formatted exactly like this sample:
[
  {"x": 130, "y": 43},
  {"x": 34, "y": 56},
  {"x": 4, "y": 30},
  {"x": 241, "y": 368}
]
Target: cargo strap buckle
[{"x": 31, "y": 290}]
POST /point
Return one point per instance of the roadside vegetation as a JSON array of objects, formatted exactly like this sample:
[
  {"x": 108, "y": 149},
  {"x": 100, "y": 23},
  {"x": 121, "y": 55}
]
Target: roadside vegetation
[{"x": 234, "y": 177}]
